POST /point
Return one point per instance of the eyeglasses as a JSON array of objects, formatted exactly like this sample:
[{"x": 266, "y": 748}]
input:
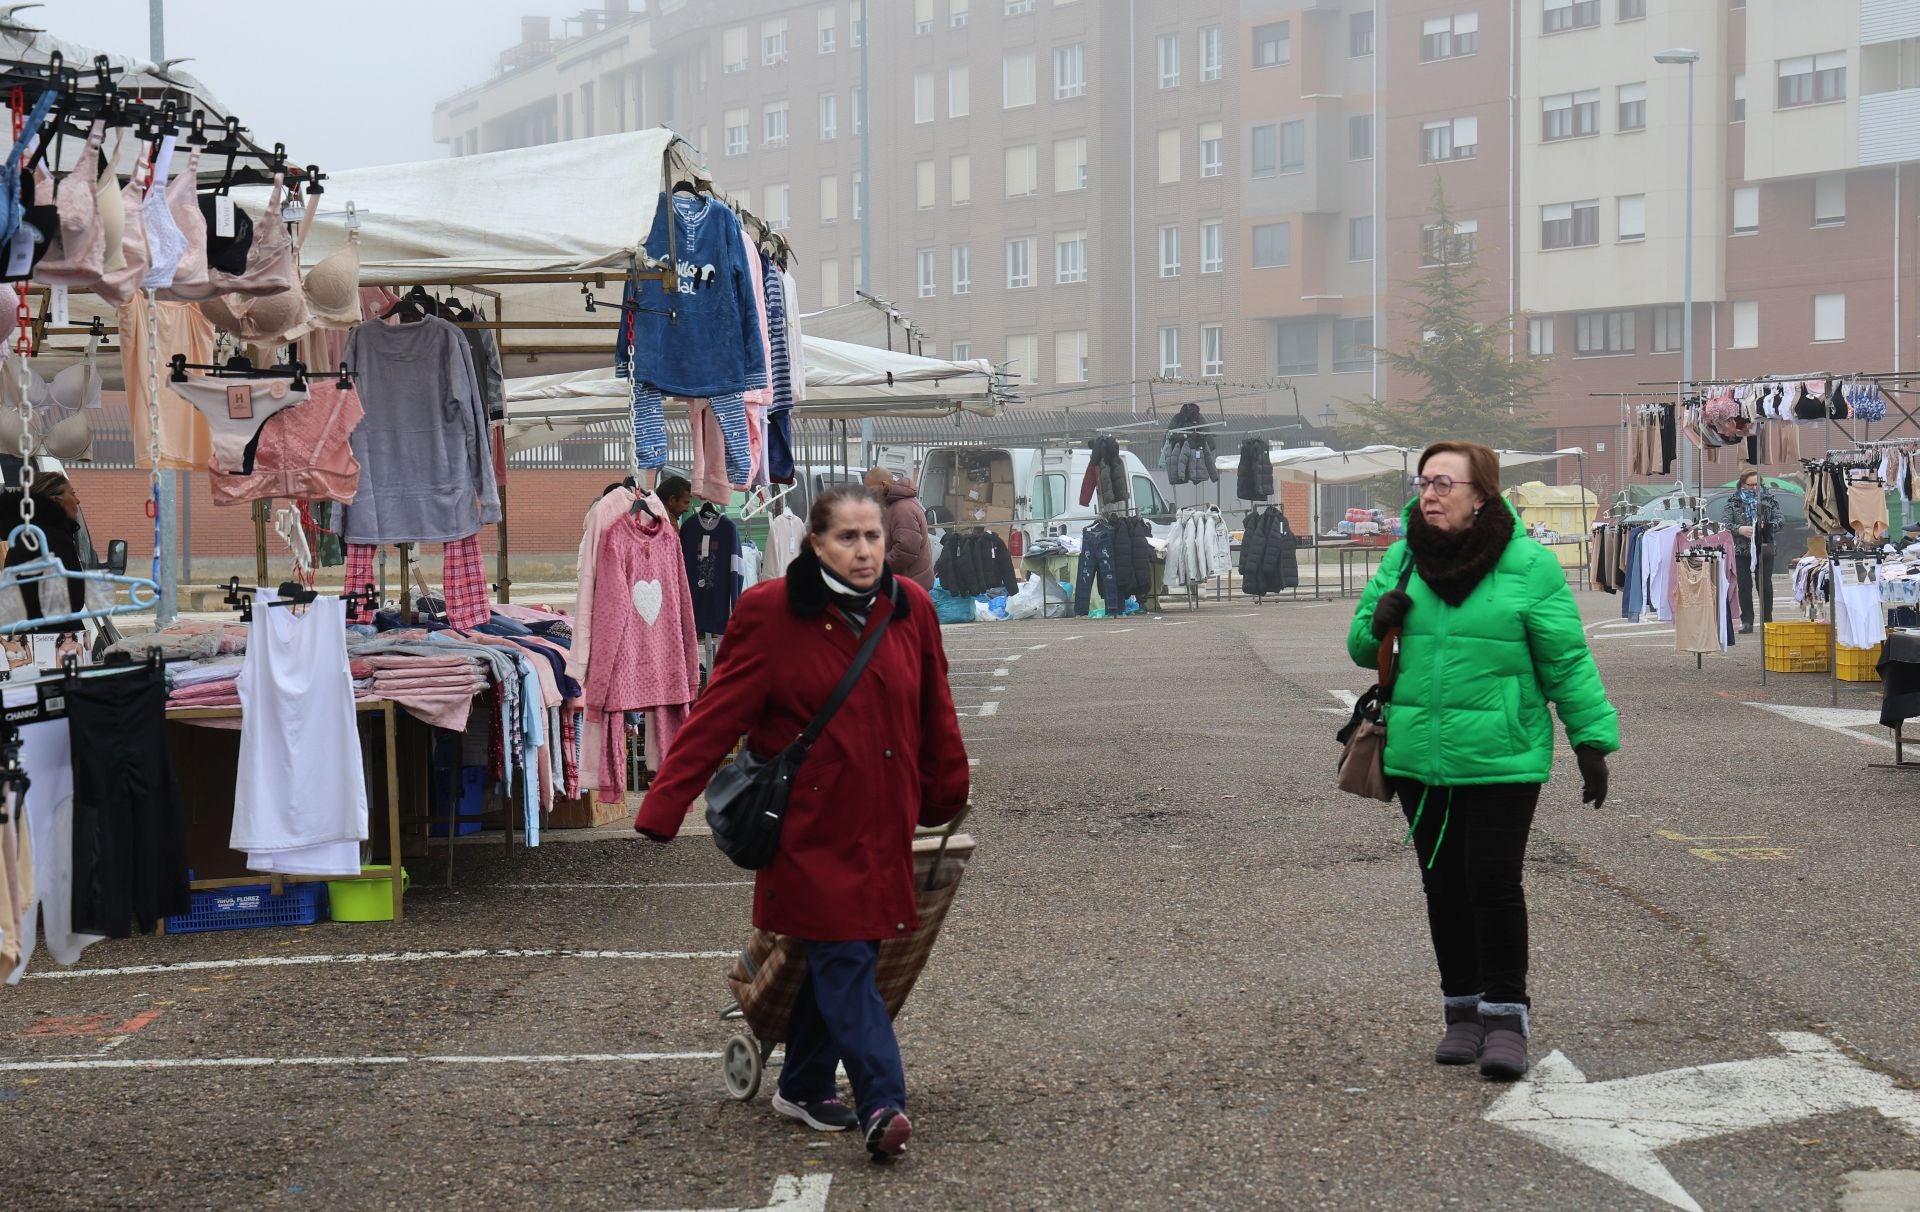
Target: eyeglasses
[{"x": 1440, "y": 484}]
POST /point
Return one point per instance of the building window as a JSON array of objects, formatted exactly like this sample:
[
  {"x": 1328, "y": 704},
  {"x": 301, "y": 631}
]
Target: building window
[
  {"x": 1022, "y": 171},
  {"x": 1449, "y": 139},
  {"x": 1632, "y": 10},
  {"x": 1169, "y": 353},
  {"x": 1570, "y": 224},
  {"x": 1213, "y": 350},
  {"x": 1069, "y": 72},
  {"x": 859, "y": 104},
  {"x": 1070, "y": 360},
  {"x": 1017, "y": 7},
  {"x": 922, "y": 17},
  {"x": 1739, "y": 109},
  {"x": 928, "y": 286},
  {"x": 859, "y": 199},
  {"x": 1353, "y": 344},
  {"x": 957, "y": 13},
  {"x": 1213, "y": 247},
  {"x": 963, "y": 269},
  {"x": 1456, "y": 245},
  {"x": 1633, "y": 107},
  {"x": 1633, "y": 216},
  {"x": 829, "y": 200},
  {"x": 829, "y": 115},
  {"x": 1069, "y": 258},
  {"x": 1297, "y": 347},
  {"x": 1019, "y": 264},
  {"x": 1557, "y": 15},
  {"x": 1746, "y": 324},
  {"x": 1210, "y": 55},
  {"x": 737, "y": 135},
  {"x": 1293, "y": 147},
  {"x": 1016, "y": 80},
  {"x": 959, "y": 92},
  {"x": 1069, "y": 164},
  {"x": 1272, "y": 245},
  {"x": 1599, "y": 333},
  {"x": 856, "y": 28},
  {"x": 1273, "y": 44},
  {"x": 778, "y": 208},
  {"x": 960, "y": 180},
  {"x": 1830, "y": 317},
  {"x": 923, "y": 185},
  {"x": 1829, "y": 200},
  {"x": 1746, "y": 210},
  {"x": 773, "y": 123},
  {"x": 1360, "y": 35},
  {"x": 828, "y": 35},
  {"x": 773, "y": 42},
  {"x": 1169, "y": 156},
  {"x": 1360, "y": 238},
  {"x": 1023, "y": 356},
  {"x": 1360, "y": 137},
  {"x": 829, "y": 275},
  {"x": 1170, "y": 251},
  {"x": 1266, "y": 150},
  {"x": 963, "y": 351},
  {"x": 1449, "y": 37},
  {"x": 922, "y": 98},
  {"x": 1540, "y": 337},
  {"x": 1570, "y": 115},
  {"x": 1169, "y": 60},
  {"x": 1812, "y": 79},
  {"x": 733, "y": 50},
  {"x": 1666, "y": 330},
  {"x": 1212, "y": 159}
]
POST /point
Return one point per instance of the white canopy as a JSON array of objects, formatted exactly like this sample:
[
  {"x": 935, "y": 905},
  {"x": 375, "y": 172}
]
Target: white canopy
[
  {"x": 865, "y": 321},
  {"x": 27, "y": 45},
  {"x": 1309, "y": 464}
]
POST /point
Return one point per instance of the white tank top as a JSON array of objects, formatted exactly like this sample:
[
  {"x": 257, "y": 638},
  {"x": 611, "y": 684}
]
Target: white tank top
[{"x": 300, "y": 778}]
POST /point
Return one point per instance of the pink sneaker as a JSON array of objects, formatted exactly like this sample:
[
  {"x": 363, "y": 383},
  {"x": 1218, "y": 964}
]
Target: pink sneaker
[{"x": 887, "y": 1133}]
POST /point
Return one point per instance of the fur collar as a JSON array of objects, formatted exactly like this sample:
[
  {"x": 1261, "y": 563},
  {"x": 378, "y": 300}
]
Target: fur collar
[
  {"x": 807, "y": 593},
  {"x": 1453, "y": 565}
]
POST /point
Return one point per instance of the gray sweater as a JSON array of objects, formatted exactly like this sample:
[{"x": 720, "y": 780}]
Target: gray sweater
[{"x": 426, "y": 459}]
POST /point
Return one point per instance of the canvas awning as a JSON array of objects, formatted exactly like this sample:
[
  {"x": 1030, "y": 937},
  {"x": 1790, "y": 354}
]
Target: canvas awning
[{"x": 1321, "y": 464}]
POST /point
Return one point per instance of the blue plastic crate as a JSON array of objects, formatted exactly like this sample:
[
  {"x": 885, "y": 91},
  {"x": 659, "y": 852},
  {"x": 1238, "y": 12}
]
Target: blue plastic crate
[{"x": 251, "y": 906}]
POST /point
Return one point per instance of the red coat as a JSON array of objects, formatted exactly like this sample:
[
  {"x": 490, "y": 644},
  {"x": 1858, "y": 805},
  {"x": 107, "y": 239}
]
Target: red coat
[{"x": 892, "y": 757}]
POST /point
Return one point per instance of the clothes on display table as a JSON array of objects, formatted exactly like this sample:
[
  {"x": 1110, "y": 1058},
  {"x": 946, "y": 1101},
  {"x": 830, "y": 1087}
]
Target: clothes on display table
[
  {"x": 1268, "y": 561},
  {"x": 1199, "y": 549},
  {"x": 426, "y": 458},
  {"x": 1106, "y": 474},
  {"x": 1860, "y": 590},
  {"x": 300, "y": 803},
  {"x": 302, "y": 453},
  {"x": 711, "y": 545},
  {"x": 1254, "y": 479},
  {"x": 973, "y": 562}
]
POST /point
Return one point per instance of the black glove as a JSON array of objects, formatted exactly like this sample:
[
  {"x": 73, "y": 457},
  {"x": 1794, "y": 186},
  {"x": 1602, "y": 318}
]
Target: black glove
[
  {"x": 1390, "y": 611},
  {"x": 1593, "y": 775}
]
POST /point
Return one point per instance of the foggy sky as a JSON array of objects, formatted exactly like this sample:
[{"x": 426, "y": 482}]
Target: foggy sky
[{"x": 343, "y": 83}]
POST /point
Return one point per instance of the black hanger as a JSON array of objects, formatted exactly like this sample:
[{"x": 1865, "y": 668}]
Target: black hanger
[{"x": 414, "y": 306}]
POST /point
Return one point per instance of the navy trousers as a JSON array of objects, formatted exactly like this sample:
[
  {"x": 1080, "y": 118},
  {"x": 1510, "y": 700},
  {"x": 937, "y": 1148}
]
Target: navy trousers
[
  {"x": 838, "y": 1019},
  {"x": 1096, "y": 563}
]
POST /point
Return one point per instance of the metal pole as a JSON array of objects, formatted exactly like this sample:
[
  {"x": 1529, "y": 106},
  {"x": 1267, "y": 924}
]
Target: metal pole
[
  {"x": 1133, "y": 235},
  {"x": 157, "y": 28},
  {"x": 1686, "y": 306},
  {"x": 168, "y": 506},
  {"x": 865, "y": 118}
]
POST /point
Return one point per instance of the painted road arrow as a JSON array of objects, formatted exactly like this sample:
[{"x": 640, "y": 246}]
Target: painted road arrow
[
  {"x": 792, "y": 1194},
  {"x": 1617, "y": 1127}
]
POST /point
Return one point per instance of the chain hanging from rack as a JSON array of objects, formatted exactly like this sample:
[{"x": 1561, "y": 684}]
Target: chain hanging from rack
[{"x": 23, "y": 349}]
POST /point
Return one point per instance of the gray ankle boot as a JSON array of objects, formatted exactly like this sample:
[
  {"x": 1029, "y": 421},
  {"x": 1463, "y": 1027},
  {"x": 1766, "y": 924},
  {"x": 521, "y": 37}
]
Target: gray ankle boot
[
  {"x": 1461, "y": 1044},
  {"x": 1503, "y": 1057}
]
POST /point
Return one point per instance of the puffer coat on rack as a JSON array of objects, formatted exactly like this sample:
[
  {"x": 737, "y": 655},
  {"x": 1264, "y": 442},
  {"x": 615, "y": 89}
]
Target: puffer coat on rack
[
  {"x": 1254, "y": 480},
  {"x": 1267, "y": 560}
]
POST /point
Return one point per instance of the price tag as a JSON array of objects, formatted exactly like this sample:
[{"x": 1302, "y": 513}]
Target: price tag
[
  {"x": 290, "y": 211},
  {"x": 57, "y": 312},
  {"x": 240, "y": 403},
  {"x": 20, "y": 252},
  {"x": 223, "y": 215},
  {"x": 706, "y": 546}
]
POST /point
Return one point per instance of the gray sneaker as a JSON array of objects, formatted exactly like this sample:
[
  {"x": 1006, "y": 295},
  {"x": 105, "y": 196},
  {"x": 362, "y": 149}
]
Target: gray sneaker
[{"x": 822, "y": 1115}]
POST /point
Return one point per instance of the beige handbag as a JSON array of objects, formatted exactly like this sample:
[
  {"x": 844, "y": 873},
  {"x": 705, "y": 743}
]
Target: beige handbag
[{"x": 1363, "y": 760}]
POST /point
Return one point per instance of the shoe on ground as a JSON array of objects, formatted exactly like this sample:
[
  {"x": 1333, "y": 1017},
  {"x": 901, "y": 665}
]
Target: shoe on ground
[
  {"x": 887, "y": 1133},
  {"x": 822, "y": 1115},
  {"x": 1503, "y": 1057},
  {"x": 1465, "y": 1034}
]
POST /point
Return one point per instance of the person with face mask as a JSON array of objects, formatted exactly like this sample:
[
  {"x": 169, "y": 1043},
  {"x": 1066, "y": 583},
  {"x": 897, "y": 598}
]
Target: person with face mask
[
  {"x": 889, "y": 760},
  {"x": 1489, "y": 635},
  {"x": 1753, "y": 514}
]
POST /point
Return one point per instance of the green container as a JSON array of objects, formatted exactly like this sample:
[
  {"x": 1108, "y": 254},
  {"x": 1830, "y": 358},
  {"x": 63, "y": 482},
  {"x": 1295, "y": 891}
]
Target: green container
[{"x": 365, "y": 900}]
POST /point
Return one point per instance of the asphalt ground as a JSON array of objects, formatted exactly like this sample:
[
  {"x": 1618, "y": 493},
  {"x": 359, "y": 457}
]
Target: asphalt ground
[{"x": 1183, "y": 972}]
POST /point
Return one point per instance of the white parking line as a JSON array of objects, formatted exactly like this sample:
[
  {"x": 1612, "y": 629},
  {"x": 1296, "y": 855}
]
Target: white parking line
[
  {"x": 978, "y": 673},
  {"x": 262, "y": 1062},
  {"x": 984, "y": 709},
  {"x": 379, "y": 957},
  {"x": 1633, "y": 635},
  {"x": 550, "y": 887},
  {"x": 981, "y": 660},
  {"x": 1119, "y": 630},
  {"x": 1035, "y": 647}
]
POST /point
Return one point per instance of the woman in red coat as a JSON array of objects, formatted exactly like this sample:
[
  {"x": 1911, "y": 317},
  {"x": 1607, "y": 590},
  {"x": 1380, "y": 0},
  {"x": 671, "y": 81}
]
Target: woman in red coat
[{"x": 891, "y": 759}]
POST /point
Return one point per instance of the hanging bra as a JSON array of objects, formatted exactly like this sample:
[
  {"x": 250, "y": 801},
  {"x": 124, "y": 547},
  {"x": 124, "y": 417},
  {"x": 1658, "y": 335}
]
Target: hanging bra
[
  {"x": 270, "y": 262},
  {"x": 166, "y": 243},
  {"x": 191, "y": 276},
  {"x": 108, "y": 204},
  {"x": 62, "y": 427},
  {"x": 118, "y": 286},
  {"x": 333, "y": 287},
  {"x": 11, "y": 211},
  {"x": 283, "y": 315},
  {"x": 79, "y": 252}
]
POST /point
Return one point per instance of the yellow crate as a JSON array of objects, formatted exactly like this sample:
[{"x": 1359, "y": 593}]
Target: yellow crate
[
  {"x": 1860, "y": 664},
  {"x": 1799, "y": 647}
]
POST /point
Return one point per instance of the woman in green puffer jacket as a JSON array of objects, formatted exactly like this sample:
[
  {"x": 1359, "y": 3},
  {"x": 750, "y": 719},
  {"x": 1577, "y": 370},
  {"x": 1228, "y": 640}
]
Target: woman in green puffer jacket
[{"x": 1490, "y": 635}]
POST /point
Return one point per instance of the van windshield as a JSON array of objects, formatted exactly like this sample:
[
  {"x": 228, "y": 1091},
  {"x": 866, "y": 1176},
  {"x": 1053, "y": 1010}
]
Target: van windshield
[
  {"x": 1050, "y": 495},
  {"x": 1147, "y": 498}
]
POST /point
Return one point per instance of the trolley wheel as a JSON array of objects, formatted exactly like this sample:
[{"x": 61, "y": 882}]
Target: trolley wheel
[{"x": 741, "y": 1067}]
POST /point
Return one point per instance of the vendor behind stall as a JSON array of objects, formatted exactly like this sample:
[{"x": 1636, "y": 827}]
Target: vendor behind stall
[{"x": 56, "y": 511}]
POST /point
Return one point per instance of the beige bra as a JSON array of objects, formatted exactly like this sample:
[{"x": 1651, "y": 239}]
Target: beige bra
[
  {"x": 118, "y": 286},
  {"x": 79, "y": 253},
  {"x": 333, "y": 287},
  {"x": 62, "y": 425},
  {"x": 108, "y": 204}
]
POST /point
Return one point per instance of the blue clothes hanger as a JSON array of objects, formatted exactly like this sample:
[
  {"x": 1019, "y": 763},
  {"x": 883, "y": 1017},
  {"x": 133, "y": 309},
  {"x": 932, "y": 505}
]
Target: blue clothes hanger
[{"x": 142, "y": 593}]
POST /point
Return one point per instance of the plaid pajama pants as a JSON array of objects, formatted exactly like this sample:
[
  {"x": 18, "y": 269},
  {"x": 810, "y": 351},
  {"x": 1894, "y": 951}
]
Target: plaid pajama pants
[{"x": 464, "y": 580}]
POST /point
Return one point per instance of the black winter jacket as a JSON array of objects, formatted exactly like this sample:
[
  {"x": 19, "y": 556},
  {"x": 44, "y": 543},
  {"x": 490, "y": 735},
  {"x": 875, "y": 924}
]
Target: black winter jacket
[
  {"x": 973, "y": 562},
  {"x": 1254, "y": 482},
  {"x": 1132, "y": 559},
  {"x": 1267, "y": 560}
]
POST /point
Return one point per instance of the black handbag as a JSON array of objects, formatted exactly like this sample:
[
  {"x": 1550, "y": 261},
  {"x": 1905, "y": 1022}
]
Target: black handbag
[{"x": 747, "y": 799}]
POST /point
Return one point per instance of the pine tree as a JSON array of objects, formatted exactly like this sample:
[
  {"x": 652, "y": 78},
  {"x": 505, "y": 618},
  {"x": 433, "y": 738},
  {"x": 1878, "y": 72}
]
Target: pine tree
[{"x": 1472, "y": 390}]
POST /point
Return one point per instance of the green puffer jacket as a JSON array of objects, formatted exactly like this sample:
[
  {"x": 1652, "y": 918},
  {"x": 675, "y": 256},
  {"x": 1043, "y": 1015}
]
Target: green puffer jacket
[{"x": 1469, "y": 704}]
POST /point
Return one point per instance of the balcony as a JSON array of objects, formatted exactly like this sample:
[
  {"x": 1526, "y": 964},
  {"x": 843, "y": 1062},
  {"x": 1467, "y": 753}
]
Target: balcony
[{"x": 1890, "y": 127}]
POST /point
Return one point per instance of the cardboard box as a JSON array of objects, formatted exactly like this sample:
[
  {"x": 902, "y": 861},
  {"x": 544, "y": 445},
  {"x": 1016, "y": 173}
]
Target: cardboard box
[
  {"x": 985, "y": 515},
  {"x": 1002, "y": 497},
  {"x": 1000, "y": 471}
]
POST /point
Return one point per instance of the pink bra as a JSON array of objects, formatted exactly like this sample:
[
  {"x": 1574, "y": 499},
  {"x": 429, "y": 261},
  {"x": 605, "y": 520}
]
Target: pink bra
[
  {"x": 271, "y": 267},
  {"x": 191, "y": 276},
  {"x": 78, "y": 256}
]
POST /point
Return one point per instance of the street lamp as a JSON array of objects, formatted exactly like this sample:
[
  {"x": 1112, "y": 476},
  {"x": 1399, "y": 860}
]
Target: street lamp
[{"x": 1675, "y": 55}]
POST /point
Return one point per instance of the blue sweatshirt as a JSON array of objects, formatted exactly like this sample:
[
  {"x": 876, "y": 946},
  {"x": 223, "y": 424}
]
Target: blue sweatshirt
[
  {"x": 704, "y": 338},
  {"x": 711, "y": 547}
]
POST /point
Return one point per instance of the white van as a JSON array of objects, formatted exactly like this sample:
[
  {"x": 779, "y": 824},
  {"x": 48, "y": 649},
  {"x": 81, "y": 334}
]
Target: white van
[{"x": 1036, "y": 489}]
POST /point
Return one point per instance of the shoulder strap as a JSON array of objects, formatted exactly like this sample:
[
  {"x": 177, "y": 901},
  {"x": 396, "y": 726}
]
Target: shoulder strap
[
  {"x": 1389, "y": 653},
  {"x": 859, "y": 666}
]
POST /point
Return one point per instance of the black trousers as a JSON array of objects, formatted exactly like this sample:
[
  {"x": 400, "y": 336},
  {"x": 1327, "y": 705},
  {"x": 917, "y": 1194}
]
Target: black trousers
[
  {"x": 1476, "y": 908},
  {"x": 129, "y": 827},
  {"x": 1741, "y": 558}
]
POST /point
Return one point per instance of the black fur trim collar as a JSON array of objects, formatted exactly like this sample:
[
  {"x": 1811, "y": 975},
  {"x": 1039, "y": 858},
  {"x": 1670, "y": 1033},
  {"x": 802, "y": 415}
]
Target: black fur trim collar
[
  {"x": 1453, "y": 565},
  {"x": 807, "y": 593}
]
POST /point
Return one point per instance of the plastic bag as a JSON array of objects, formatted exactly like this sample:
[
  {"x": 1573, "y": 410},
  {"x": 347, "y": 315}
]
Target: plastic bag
[
  {"x": 950, "y": 608},
  {"x": 1028, "y": 603}
]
